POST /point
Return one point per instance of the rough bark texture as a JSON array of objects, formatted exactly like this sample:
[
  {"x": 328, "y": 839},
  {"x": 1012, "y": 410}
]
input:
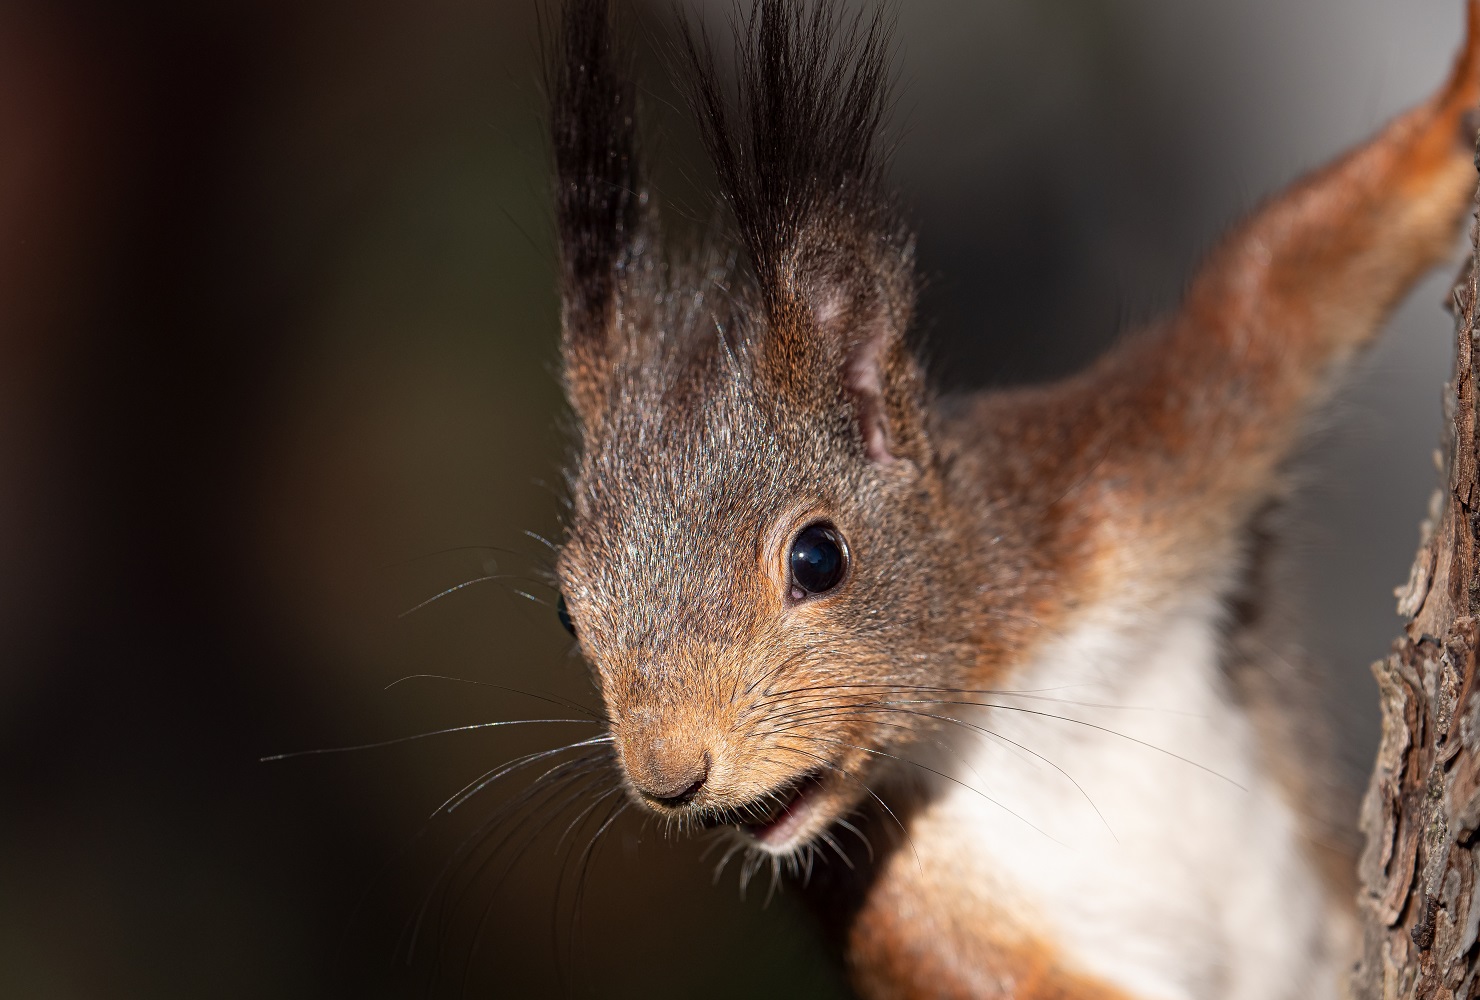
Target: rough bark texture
[{"x": 1421, "y": 814}]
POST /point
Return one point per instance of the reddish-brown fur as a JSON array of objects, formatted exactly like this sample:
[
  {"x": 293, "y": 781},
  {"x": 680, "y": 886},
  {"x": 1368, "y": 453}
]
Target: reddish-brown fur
[
  {"x": 901, "y": 948},
  {"x": 720, "y": 412}
]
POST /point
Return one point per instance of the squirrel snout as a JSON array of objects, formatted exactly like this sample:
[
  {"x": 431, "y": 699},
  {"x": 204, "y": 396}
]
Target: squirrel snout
[{"x": 669, "y": 772}]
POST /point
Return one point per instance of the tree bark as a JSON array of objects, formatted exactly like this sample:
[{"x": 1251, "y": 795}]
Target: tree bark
[{"x": 1421, "y": 814}]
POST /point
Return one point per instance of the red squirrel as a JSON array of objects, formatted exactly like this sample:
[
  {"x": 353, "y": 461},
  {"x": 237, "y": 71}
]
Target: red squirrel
[{"x": 984, "y": 652}]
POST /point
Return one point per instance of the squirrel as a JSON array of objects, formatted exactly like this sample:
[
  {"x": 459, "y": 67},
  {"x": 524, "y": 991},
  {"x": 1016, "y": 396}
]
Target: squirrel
[{"x": 991, "y": 652}]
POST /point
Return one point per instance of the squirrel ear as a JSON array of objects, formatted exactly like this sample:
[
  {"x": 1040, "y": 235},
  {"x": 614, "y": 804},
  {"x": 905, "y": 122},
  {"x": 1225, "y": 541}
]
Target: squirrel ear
[
  {"x": 598, "y": 199},
  {"x": 799, "y": 161},
  {"x": 861, "y": 309}
]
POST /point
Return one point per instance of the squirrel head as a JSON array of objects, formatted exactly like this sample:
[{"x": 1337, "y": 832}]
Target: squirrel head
[{"x": 757, "y": 550}]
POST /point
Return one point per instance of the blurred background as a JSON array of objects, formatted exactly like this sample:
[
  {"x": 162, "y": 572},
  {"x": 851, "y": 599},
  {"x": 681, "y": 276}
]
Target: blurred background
[{"x": 277, "y": 329}]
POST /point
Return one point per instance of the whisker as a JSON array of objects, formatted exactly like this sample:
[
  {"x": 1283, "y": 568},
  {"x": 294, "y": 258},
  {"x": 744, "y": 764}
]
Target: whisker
[
  {"x": 776, "y": 875},
  {"x": 550, "y": 699},
  {"x": 736, "y": 847},
  {"x": 466, "y": 583},
  {"x": 1039, "y": 694},
  {"x": 582, "y": 815},
  {"x": 583, "y": 868},
  {"x": 536, "y": 600},
  {"x": 785, "y": 662},
  {"x": 543, "y": 541},
  {"x": 807, "y": 713},
  {"x": 1082, "y": 722},
  {"x": 578, "y": 768},
  {"x": 826, "y": 691},
  {"x": 423, "y": 736},
  {"x": 581, "y": 871},
  {"x": 827, "y": 839},
  {"x": 982, "y": 730},
  {"x": 842, "y": 714},
  {"x": 753, "y": 862},
  {"x": 574, "y": 793},
  {"x": 857, "y": 833},
  {"x": 1029, "y": 750},
  {"x": 555, "y": 791},
  {"x": 926, "y": 767},
  {"x": 400, "y": 564},
  {"x": 489, "y": 777},
  {"x": 1157, "y": 709}
]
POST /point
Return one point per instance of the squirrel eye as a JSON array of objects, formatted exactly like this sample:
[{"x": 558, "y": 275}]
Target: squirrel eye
[
  {"x": 819, "y": 561},
  {"x": 564, "y": 613}
]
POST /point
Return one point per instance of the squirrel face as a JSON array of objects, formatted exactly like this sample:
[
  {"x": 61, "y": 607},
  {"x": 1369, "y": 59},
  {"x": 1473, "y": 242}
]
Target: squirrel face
[
  {"x": 726, "y": 412},
  {"x": 743, "y": 575}
]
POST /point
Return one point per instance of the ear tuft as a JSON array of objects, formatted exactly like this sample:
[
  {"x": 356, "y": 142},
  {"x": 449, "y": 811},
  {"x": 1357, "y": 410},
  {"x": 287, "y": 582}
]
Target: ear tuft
[
  {"x": 799, "y": 151},
  {"x": 801, "y": 164},
  {"x": 598, "y": 199}
]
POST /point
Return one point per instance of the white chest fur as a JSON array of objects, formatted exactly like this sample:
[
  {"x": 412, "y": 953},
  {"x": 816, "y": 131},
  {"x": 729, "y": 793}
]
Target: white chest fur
[{"x": 1151, "y": 851}]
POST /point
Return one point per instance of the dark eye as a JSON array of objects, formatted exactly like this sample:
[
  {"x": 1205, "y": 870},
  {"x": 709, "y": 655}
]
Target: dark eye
[
  {"x": 564, "y": 613},
  {"x": 819, "y": 561}
]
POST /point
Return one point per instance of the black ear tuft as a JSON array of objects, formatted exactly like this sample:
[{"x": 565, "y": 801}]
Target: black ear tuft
[
  {"x": 800, "y": 162},
  {"x": 800, "y": 151},
  {"x": 598, "y": 198}
]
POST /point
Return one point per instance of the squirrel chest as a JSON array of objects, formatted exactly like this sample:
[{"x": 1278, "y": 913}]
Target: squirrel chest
[{"x": 1120, "y": 837}]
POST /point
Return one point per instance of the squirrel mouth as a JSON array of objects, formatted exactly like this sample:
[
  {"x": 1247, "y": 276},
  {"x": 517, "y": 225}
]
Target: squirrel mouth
[{"x": 787, "y": 812}]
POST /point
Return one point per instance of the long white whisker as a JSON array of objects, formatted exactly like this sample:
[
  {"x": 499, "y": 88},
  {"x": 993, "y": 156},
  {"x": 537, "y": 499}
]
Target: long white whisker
[
  {"x": 423, "y": 736},
  {"x": 926, "y": 767},
  {"x": 489, "y": 777}
]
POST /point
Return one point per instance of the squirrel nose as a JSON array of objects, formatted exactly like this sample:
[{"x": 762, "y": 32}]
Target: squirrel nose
[{"x": 670, "y": 785}]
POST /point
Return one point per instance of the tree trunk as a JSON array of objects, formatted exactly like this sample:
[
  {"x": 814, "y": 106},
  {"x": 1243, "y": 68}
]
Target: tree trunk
[{"x": 1421, "y": 814}]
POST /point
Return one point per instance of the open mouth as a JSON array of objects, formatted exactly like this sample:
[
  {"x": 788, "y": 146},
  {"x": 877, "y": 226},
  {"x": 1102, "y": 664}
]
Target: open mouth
[{"x": 786, "y": 814}]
